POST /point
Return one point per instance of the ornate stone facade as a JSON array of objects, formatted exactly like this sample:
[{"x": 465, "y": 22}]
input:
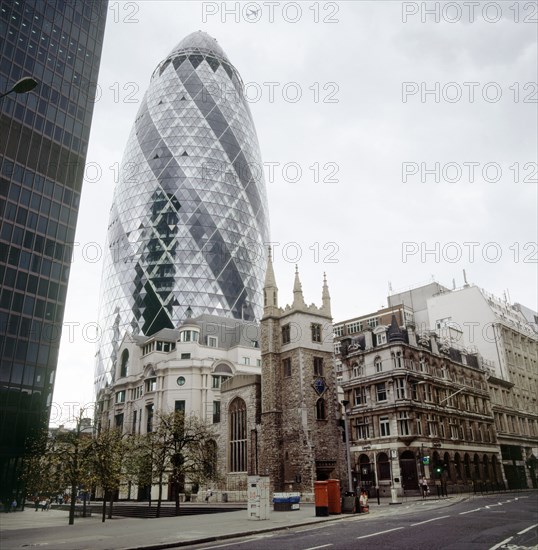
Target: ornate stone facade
[{"x": 301, "y": 439}]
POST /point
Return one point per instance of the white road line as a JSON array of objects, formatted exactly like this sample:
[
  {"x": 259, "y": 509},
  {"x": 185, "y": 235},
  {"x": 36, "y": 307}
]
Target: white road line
[
  {"x": 316, "y": 547},
  {"x": 229, "y": 544},
  {"x": 501, "y": 543},
  {"x": 380, "y": 533},
  {"x": 470, "y": 511},
  {"x": 428, "y": 520},
  {"x": 528, "y": 529}
]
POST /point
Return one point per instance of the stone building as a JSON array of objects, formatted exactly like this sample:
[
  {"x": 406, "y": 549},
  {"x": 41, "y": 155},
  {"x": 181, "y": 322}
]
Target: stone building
[
  {"x": 506, "y": 336},
  {"x": 181, "y": 369},
  {"x": 419, "y": 407},
  {"x": 301, "y": 440}
]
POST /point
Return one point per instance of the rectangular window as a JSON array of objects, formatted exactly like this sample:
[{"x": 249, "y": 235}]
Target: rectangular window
[
  {"x": 403, "y": 423},
  {"x": 374, "y": 322},
  {"x": 185, "y": 356},
  {"x": 352, "y": 328},
  {"x": 419, "y": 424},
  {"x": 338, "y": 331},
  {"x": 246, "y": 360},
  {"x": 151, "y": 384},
  {"x": 135, "y": 420},
  {"x": 286, "y": 334},
  {"x": 216, "y": 412},
  {"x": 286, "y": 367},
  {"x": 179, "y": 406},
  {"x": 400, "y": 388},
  {"x": 318, "y": 366},
  {"x": 378, "y": 364},
  {"x": 316, "y": 332},
  {"x": 149, "y": 418},
  {"x": 432, "y": 425},
  {"x": 118, "y": 421},
  {"x": 384, "y": 426},
  {"x": 381, "y": 392},
  {"x": 381, "y": 338},
  {"x": 362, "y": 428},
  {"x": 120, "y": 396},
  {"x": 360, "y": 396},
  {"x": 212, "y": 341},
  {"x": 337, "y": 348},
  {"x": 454, "y": 432}
]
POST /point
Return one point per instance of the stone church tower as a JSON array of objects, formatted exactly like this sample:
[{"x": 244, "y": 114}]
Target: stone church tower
[{"x": 301, "y": 441}]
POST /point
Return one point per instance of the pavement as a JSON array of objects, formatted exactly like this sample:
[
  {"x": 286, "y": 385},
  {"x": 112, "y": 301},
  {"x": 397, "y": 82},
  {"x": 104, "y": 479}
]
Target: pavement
[{"x": 28, "y": 528}]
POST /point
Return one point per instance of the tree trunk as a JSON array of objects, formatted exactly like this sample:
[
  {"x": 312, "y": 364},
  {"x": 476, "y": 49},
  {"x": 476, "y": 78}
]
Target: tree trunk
[
  {"x": 160, "y": 497},
  {"x": 103, "y": 516},
  {"x": 176, "y": 493},
  {"x": 72, "y": 503}
]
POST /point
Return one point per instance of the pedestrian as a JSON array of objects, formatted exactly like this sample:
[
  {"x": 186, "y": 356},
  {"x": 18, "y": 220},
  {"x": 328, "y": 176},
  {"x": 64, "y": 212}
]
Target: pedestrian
[
  {"x": 424, "y": 487},
  {"x": 13, "y": 505},
  {"x": 36, "y": 502},
  {"x": 43, "y": 504},
  {"x": 208, "y": 494},
  {"x": 47, "y": 504}
]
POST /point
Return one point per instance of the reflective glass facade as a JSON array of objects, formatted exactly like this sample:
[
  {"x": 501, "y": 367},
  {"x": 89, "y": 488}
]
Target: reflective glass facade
[
  {"x": 43, "y": 143},
  {"x": 189, "y": 216}
]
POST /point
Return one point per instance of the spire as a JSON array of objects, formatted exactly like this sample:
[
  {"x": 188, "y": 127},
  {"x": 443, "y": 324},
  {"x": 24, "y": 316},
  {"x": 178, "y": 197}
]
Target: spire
[
  {"x": 270, "y": 290},
  {"x": 395, "y": 334},
  {"x": 326, "y": 297},
  {"x": 298, "y": 299}
]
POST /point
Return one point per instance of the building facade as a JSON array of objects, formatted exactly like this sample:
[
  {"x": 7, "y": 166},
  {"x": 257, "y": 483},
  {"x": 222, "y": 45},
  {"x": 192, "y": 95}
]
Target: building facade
[
  {"x": 43, "y": 144},
  {"x": 301, "y": 438},
  {"x": 179, "y": 369},
  {"x": 189, "y": 215},
  {"x": 419, "y": 407}
]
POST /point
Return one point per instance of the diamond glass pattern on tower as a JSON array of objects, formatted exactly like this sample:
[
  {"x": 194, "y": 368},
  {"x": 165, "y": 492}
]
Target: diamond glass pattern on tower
[{"x": 189, "y": 216}]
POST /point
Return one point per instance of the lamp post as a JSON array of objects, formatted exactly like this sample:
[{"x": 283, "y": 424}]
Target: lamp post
[
  {"x": 22, "y": 86},
  {"x": 345, "y": 403}
]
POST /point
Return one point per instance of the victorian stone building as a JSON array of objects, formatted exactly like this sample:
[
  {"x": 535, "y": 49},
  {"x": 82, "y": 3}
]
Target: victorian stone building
[{"x": 419, "y": 406}]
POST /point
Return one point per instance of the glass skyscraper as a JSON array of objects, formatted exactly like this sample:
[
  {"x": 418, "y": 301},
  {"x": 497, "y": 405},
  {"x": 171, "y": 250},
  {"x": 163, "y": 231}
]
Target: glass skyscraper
[
  {"x": 43, "y": 144},
  {"x": 189, "y": 217}
]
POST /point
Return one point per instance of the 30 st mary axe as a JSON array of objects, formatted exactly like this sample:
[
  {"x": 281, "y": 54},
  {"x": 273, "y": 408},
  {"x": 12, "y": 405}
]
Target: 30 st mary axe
[{"x": 189, "y": 217}]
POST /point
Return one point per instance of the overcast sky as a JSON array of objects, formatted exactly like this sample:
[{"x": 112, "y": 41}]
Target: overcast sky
[{"x": 367, "y": 98}]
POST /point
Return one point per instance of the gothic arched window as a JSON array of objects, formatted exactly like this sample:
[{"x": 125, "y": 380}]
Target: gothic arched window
[
  {"x": 237, "y": 418},
  {"x": 321, "y": 413},
  {"x": 124, "y": 363}
]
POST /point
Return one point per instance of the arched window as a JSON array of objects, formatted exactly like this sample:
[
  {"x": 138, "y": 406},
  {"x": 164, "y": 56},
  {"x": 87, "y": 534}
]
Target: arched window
[
  {"x": 237, "y": 417},
  {"x": 321, "y": 413},
  {"x": 383, "y": 466},
  {"x": 124, "y": 363}
]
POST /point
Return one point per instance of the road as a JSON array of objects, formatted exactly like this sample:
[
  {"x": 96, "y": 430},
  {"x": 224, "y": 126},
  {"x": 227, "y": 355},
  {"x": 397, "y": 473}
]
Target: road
[{"x": 496, "y": 522}]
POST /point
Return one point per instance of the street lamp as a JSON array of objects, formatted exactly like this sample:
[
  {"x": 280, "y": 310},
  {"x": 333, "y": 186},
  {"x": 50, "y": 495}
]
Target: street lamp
[
  {"x": 345, "y": 403},
  {"x": 22, "y": 86}
]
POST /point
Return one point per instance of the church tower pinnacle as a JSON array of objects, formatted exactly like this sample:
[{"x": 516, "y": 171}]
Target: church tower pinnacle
[
  {"x": 326, "y": 298},
  {"x": 270, "y": 290},
  {"x": 298, "y": 298}
]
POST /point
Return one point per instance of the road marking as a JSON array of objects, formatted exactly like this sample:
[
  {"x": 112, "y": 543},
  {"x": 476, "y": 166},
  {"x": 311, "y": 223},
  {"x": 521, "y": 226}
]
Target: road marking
[
  {"x": 528, "y": 529},
  {"x": 470, "y": 511},
  {"x": 380, "y": 533},
  {"x": 229, "y": 544},
  {"x": 501, "y": 543},
  {"x": 316, "y": 547},
  {"x": 428, "y": 520}
]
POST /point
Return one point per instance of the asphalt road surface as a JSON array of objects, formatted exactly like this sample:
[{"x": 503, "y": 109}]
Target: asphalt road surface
[{"x": 508, "y": 521}]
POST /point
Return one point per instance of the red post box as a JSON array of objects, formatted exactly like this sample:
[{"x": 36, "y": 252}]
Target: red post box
[
  {"x": 335, "y": 502},
  {"x": 321, "y": 496}
]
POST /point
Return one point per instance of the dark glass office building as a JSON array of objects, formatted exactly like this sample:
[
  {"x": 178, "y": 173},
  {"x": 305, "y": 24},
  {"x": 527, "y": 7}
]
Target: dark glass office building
[{"x": 43, "y": 144}]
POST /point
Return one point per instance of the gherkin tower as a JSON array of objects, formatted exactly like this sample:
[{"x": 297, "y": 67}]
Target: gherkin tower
[{"x": 189, "y": 216}]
